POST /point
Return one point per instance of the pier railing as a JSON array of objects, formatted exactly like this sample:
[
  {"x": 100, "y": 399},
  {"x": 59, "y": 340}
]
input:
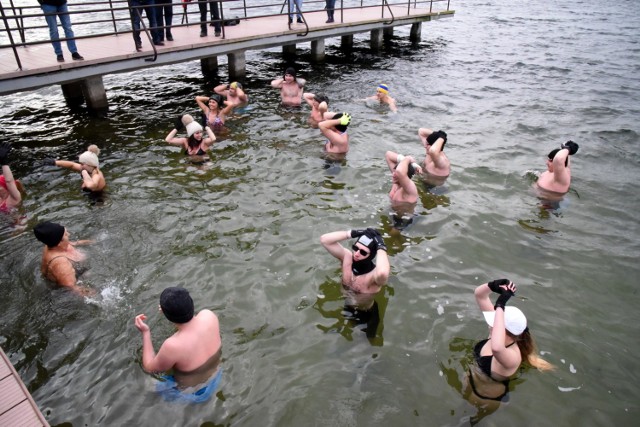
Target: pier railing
[{"x": 24, "y": 24}]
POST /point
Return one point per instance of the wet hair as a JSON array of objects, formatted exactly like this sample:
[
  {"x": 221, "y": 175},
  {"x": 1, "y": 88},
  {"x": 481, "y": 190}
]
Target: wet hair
[
  {"x": 553, "y": 153},
  {"x": 410, "y": 170},
  {"x": 433, "y": 137},
  {"x": 320, "y": 98},
  {"x": 528, "y": 351},
  {"x": 177, "y": 305},
  {"x": 340, "y": 128}
]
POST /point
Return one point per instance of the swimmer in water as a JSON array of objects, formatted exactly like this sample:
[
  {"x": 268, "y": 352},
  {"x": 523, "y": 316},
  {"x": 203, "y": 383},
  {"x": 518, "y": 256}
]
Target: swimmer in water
[
  {"x": 557, "y": 178},
  {"x": 10, "y": 188},
  {"x": 234, "y": 94},
  {"x": 195, "y": 144},
  {"x": 214, "y": 111},
  {"x": 509, "y": 345},
  {"x": 193, "y": 352},
  {"x": 61, "y": 261},
  {"x": 382, "y": 95},
  {"x": 402, "y": 168},
  {"x": 436, "y": 163},
  {"x": 89, "y": 167},
  {"x": 290, "y": 87},
  {"x": 319, "y": 105},
  {"x": 360, "y": 274},
  {"x": 335, "y": 130}
]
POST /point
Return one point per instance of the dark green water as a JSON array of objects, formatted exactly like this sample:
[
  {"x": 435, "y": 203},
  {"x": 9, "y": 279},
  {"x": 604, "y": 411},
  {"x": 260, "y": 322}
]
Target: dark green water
[{"x": 507, "y": 82}]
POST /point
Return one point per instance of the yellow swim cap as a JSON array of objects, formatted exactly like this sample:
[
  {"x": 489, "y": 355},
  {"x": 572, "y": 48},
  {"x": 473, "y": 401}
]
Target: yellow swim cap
[{"x": 383, "y": 88}]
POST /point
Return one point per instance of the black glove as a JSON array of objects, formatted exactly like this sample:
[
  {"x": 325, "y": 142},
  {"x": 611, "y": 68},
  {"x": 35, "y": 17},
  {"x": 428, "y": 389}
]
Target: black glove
[
  {"x": 442, "y": 134},
  {"x": 358, "y": 233},
  {"x": 377, "y": 237},
  {"x": 5, "y": 148},
  {"x": 502, "y": 299},
  {"x": 494, "y": 285},
  {"x": 571, "y": 146},
  {"x": 49, "y": 161},
  {"x": 178, "y": 125}
]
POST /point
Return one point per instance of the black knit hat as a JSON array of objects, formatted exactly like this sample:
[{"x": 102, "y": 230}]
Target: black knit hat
[
  {"x": 177, "y": 305},
  {"x": 49, "y": 233}
]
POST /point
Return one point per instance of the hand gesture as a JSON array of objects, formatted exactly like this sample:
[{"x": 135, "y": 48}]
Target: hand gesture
[
  {"x": 377, "y": 237},
  {"x": 345, "y": 119},
  {"x": 571, "y": 146},
  {"x": 142, "y": 327},
  {"x": 508, "y": 292},
  {"x": 499, "y": 286},
  {"x": 5, "y": 148}
]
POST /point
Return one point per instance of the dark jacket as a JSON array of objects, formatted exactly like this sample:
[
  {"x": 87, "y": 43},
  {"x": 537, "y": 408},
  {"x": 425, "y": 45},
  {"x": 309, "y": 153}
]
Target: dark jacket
[{"x": 53, "y": 2}]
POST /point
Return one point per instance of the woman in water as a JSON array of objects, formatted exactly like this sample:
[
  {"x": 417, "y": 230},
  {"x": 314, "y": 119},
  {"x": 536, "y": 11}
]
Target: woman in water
[
  {"x": 196, "y": 144},
  {"x": 509, "y": 345},
  {"x": 88, "y": 166},
  {"x": 214, "y": 111},
  {"x": 61, "y": 261},
  {"x": 10, "y": 196}
]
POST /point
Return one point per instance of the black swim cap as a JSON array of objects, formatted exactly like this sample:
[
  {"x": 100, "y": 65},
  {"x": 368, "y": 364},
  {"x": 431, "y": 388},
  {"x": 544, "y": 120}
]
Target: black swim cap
[
  {"x": 291, "y": 71},
  {"x": 218, "y": 99},
  {"x": 340, "y": 128},
  {"x": 553, "y": 153},
  {"x": 177, "y": 305},
  {"x": 321, "y": 98},
  {"x": 431, "y": 139},
  {"x": 49, "y": 233}
]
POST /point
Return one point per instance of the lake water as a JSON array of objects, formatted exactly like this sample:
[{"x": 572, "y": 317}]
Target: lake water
[{"x": 508, "y": 82}]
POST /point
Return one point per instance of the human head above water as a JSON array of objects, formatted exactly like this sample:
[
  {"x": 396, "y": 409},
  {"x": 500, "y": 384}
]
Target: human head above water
[
  {"x": 553, "y": 153},
  {"x": 431, "y": 139},
  {"x": 49, "y": 233},
  {"x": 90, "y": 157},
  {"x": 291, "y": 71},
  {"x": 382, "y": 88},
  {"x": 515, "y": 322},
  {"x": 340, "y": 128},
  {"x": 191, "y": 125},
  {"x": 176, "y": 304},
  {"x": 320, "y": 98}
]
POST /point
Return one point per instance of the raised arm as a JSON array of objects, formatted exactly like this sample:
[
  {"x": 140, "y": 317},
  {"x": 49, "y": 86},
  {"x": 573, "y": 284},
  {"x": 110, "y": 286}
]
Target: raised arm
[
  {"x": 561, "y": 173},
  {"x": 202, "y": 103},
  {"x": 171, "y": 138},
  {"x": 330, "y": 241},
  {"x": 222, "y": 89},
  {"x": 210, "y": 138},
  {"x": 12, "y": 188},
  {"x": 277, "y": 83},
  {"x": 309, "y": 98},
  {"x": 69, "y": 165}
]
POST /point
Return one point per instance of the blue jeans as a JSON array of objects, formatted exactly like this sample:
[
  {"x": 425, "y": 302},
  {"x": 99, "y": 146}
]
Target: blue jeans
[
  {"x": 164, "y": 16},
  {"x": 292, "y": 8},
  {"x": 63, "y": 13},
  {"x": 136, "y": 15}
]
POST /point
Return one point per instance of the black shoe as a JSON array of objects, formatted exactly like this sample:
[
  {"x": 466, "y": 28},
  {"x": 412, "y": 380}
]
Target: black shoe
[
  {"x": 329, "y": 21},
  {"x": 138, "y": 48},
  {"x": 203, "y": 34},
  {"x": 218, "y": 33},
  {"x": 299, "y": 21},
  {"x": 60, "y": 58},
  {"x": 290, "y": 20},
  {"x": 169, "y": 37},
  {"x": 77, "y": 56},
  {"x": 159, "y": 43}
]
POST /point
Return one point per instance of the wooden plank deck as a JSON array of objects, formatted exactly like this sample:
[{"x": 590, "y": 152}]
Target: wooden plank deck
[
  {"x": 116, "y": 53},
  {"x": 17, "y": 408}
]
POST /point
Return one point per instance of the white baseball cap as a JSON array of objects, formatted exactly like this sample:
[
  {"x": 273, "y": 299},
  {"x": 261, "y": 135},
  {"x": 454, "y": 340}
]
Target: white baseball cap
[{"x": 514, "y": 319}]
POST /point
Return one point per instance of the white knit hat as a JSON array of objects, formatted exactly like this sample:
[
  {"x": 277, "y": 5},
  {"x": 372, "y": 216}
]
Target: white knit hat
[
  {"x": 191, "y": 125},
  {"x": 90, "y": 157},
  {"x": 514, "y": 319}
]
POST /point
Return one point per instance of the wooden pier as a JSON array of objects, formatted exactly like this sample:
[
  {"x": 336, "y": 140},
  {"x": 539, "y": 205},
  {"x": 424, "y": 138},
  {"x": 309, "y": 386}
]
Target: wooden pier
[
  {"x": 17, "y": 408},
  {"x": 116, "y": 53}
]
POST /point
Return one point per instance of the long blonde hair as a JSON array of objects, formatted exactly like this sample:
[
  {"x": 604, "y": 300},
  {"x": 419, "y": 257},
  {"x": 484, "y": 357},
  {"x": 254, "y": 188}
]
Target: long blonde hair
[{"x": 529, "y": 350}]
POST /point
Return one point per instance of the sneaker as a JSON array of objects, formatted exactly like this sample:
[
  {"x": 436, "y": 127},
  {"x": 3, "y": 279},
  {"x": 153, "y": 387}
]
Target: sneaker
[
  {"x": 60, "y": 58},
  {"x": 299, "y": 21},
  {"x": 77, "y": 56}
]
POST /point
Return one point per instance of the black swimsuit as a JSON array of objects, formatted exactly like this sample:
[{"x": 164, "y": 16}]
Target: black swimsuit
[{"x": 484, "y": 363}]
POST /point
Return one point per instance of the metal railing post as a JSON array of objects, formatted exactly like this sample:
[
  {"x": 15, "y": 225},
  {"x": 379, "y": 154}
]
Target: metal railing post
[{"x": 13, "y": 46}]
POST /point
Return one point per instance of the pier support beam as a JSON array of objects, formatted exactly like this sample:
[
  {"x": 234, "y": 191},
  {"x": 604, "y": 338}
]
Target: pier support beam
[
  {"x": 376, "y": 39},
  {"x": 388, "y": 32},
  {"x": 416, "y": 32},
  {"x": 347, "y": 42},
  {"x": 237, "y": 66},
  {"x": 209, "y": 65},
  {"x": 289, "y": 49},
  {"x": 94, "y": 93},
  {"x": 72, "y": 93},
  {"x": 317, "y": 50}
]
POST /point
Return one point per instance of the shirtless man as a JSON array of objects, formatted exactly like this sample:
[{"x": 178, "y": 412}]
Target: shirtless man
[
  {"x": 359, "y": 273},
  {"x": 436, "y": 163},
  {"x": 335, "y": 130},
  {"x": 319, "y": 105},
  {"x": 402, "y": 168},
  {"x": 557, "y": 178},
  {"x": 382, "y": 95},
  {"x": 60, "y": 258},
  {"x": 194, "y": 351},
  {"x": 233, "y": 93},
  {"x": 10, "y": 196},
  {"x": 290, "y": 87}
]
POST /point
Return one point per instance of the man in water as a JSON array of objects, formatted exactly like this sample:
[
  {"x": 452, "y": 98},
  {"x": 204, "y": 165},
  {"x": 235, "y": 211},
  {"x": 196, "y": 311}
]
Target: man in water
[
  {"x": 290, "y": 87},
  {"x": 319, "y": 105},
  {"x": 436, "y": 163},
  {"x": 193, "y": 352},
  {"x": 557, "y": 178},
  {"x": 402, "y": 168},
  {"x": 233, "y": 92},
  {"x": 335, "y": 130},
  {"x": 382, "y": 95}
]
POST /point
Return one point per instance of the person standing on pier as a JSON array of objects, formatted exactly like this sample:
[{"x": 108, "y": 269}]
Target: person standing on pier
[
  {"x": 136, "y": 8},
  {"x": 290, "y": 87},
  {"x": 293, "y": 10},
  {"x": 58, "y": 8},
  {"x": 164, "y": 17},
  {"x": 215, "y": 17},
  {"x": 330, "y": 5}
]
